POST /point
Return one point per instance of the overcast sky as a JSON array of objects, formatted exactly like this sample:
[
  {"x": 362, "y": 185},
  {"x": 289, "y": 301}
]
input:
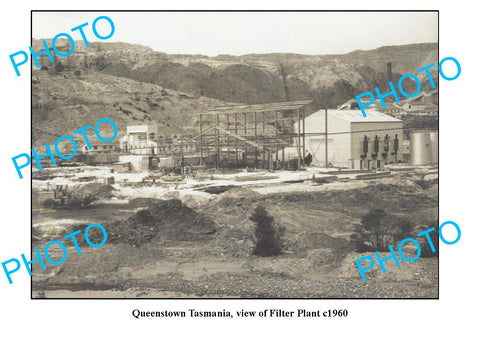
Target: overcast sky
[{"x": 237, "y": 33}]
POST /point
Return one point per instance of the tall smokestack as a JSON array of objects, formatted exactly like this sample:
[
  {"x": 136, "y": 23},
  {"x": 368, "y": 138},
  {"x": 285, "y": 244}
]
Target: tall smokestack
[{"x": 389, "y": 71}]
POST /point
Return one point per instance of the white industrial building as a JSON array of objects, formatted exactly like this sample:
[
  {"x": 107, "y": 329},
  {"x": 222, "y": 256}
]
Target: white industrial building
[
  {"x": 140, "y": 140},
  {"x": 353, "y": 140}
]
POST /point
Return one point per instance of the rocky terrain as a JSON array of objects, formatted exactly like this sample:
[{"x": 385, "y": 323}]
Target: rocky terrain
[
  {"x": 134, "y": 84},
  {"x": 63, "y": 103},
  {"x": 203, "y": 247}
]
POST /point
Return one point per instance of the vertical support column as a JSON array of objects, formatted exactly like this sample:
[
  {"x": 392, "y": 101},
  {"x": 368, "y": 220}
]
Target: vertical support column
[
  {"x": 263, "y": 140},
  {"x": 263, "y": 123},
  {"x": 170, "y": 149},
  {"x": 245, "y": 122},
  {"x": 245, "y": 135},
  {"x": 182, "y": 156},
  {"x": 201, "y": 141},
  {"x": 299, "y": 141},
  {"x": 217, "y": 138},
  {"x": 303, "y": 136},
  {"x": 283, "y": 138},
  {"x": 236, "y": 146},
  {"x": 255, "y": 139},
  {"x": 326, "y": 138},
  {"x": 276, "y": 140},
  {"x": 227, "y": 137}
]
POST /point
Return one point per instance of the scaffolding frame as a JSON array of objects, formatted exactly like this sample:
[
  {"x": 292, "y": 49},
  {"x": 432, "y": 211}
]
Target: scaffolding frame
[{"x": 261, "y": 130}]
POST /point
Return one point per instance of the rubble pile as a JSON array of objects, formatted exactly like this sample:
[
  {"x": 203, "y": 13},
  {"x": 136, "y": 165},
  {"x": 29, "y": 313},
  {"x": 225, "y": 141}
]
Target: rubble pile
[
  {"x": 162, "y": 220},
  {"x": 237, "y": 196},
  {"x": 399, "y": 198}
]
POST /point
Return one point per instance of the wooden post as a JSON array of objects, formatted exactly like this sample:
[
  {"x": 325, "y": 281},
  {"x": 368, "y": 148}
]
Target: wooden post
[
  {"x": 283, "y": 138},
  {"x": 264, "y": 138},
  {"x": 255, "y": 139},
  {"x": 236, "y": 145},
  {"x": 326, "y": 138},
  {"x": 217, "y": 137},
  {"x": 303, "y": 136},
  {"x": 201, "y": 141},
  {"x": 246, "y": 147},
  {"x": 227, "y": 137},
  {"x": 276, "y": 140},
  {"x": 263, "y": 123},
  {"x": 299, "y": 153},
  {"x": 182, "y": 165}
]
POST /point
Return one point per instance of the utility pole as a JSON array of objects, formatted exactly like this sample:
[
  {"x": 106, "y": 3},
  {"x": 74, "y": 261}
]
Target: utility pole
[
  {"x": 299, "y": 142},
  {"x": 326, "y": 138},
  {"x": 326, "y": 134}
]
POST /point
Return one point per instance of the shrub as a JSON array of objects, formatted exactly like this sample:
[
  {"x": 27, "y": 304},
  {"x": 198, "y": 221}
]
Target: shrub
[
  {"x": 82, "y": 196},
  {"x": 59, "y": 67},
  {"x": 378, "y": 230},
  {"x": 49, "y": 203},
  {"x": 426, "y": 250},
  {"x": 423, "y": 184},
  {"x": 269, "y": 239},
  {"x": 426, "y": 184},
  {"x": 77, "y": 203},
  {"x": 77, "y": 73}
]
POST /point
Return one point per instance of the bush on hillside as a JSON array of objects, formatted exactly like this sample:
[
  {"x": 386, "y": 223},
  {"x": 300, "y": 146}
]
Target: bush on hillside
[
  {"x": 269, "y": 240},
  {"x": 378, "y": 230}
]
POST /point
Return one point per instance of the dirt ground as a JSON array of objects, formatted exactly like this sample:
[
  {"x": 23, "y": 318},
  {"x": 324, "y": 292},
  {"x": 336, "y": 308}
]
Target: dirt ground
[{"x": 188, "y": 245}]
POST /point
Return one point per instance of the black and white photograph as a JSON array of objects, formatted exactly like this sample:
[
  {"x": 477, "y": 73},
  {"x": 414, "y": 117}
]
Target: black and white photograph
[
  {"x": 248, "y": 155},
  {"x": 248, "y": 170}
]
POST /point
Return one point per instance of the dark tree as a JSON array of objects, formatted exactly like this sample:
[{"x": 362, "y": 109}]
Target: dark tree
[
  {"x": 101, "y": 63},
  {"x": 378, "y": 230},
  {"x": 425, "y": 245},
  {"x": 59, "y": 67},
  {"x": 269, "y": 239}
]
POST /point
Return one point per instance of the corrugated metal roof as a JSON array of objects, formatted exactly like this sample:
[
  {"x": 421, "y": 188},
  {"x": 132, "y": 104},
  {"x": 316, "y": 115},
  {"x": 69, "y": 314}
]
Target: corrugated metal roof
[
  {"x": 246, "y": 108},
  {"x": 355, "y": 116}
]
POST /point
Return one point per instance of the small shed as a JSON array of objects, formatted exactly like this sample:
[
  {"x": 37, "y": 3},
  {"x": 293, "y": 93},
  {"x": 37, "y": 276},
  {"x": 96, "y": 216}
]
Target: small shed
[
  {"x": 137, "y": 162},
  {"x": 121, "y": 166}
]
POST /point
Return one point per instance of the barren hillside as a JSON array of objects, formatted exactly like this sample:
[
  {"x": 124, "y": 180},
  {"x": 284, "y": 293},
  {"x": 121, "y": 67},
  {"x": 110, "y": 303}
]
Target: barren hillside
[
  {"x": 134, "y": 84},
  {"x": 63, "y": 103}
]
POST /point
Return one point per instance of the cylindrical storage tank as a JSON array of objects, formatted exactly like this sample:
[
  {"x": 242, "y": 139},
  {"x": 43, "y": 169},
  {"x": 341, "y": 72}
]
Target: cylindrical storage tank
[
  {"x": 419, "y": 147},
  {"x": 434, "y": 147}
]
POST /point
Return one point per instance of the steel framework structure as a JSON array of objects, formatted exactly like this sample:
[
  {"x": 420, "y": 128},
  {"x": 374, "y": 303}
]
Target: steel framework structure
[{"x": 252, "y": 134}]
